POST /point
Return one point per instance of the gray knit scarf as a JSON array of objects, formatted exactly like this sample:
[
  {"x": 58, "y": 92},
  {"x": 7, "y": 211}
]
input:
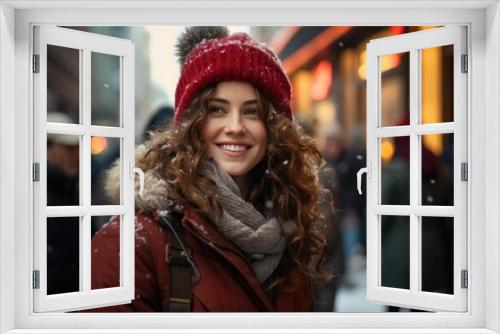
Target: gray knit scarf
[{"x": 261, "y": 239}]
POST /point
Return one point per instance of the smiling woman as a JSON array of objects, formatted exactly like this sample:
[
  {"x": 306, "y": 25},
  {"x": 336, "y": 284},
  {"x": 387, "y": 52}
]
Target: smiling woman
[{"x": 231, "y": 199}]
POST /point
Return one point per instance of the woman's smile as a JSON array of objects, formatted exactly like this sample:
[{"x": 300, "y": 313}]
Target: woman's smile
[{"x": 234, "y": 149}]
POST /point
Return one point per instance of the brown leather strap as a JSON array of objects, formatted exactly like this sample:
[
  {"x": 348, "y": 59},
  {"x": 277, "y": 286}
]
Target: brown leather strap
[{"x": 180, "y": 268}]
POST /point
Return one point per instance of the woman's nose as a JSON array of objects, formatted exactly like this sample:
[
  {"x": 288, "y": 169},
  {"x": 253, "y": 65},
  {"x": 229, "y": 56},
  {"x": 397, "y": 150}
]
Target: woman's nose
[{"x": 235, "y": 124}]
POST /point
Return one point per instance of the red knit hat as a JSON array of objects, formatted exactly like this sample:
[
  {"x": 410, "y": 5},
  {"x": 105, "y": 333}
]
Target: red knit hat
[{"x": 209, "y": 58}]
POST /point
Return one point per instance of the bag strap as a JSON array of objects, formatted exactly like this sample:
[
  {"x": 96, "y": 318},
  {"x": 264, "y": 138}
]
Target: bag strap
[{"x": 182, "y": 270}]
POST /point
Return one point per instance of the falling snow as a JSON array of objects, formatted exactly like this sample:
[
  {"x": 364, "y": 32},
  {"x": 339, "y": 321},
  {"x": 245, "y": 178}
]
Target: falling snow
[
  {"x": 200, "y": 227},
  {"x": 138, "y": 226},
  {"x": 140, "y": 239}
]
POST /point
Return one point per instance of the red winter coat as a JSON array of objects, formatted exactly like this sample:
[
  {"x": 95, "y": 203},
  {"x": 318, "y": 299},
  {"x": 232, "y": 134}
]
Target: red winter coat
[{"x": 227, "y": 282}]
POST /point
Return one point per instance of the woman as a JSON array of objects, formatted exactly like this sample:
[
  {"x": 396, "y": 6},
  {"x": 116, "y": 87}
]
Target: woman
[{"x": 229, "y": 219}]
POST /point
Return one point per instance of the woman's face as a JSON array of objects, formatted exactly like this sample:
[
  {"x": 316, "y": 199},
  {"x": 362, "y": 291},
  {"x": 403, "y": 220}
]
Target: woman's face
[{"x": 234, "y": 132}]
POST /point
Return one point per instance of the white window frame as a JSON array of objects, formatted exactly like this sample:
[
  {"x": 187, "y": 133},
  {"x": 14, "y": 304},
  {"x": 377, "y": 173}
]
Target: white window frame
[
  {"x": 483, "y": 18},
  {"x": 414, "y": 43},
  {"x": 85, "y": 43}
]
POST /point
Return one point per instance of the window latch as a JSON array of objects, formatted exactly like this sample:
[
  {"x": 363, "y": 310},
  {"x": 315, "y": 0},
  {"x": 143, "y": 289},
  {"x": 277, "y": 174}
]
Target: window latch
[
  {"x": 365, "y": 170},
  {"x": 138, "y": 171}
]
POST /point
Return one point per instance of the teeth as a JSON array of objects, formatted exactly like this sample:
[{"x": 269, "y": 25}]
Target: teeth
[{"x": 234, "y": 148}]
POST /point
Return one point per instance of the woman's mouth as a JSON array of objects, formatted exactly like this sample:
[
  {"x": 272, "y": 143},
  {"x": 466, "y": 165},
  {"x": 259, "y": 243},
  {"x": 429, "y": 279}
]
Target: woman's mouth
[{"x": 234, "y": 150}]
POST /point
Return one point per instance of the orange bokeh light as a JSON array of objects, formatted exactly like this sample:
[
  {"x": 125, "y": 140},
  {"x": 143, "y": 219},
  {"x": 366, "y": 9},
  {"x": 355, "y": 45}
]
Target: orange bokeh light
[
  {"x": 387, "y": 149},
  {"x": 98, "y": 145},
  {"x": 322, "y": 80},
  {"x": 397, "y": 30}
]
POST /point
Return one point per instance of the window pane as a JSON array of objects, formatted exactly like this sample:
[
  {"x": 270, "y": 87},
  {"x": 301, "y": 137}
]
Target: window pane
[
  {"x": 395, "y": 175},
  {"x": 63, "y": 260},
  {"x": 396, "y": 251},
  {"x": 394, "y": 91},
  {"x": 63, "y": 84},
  {"x": 105, "y": 152},
  {"x": 106, "y": 243},
  {"x": 437, "y": 84},
  {"x": 105, "y": 90},
  {"x": 437, "y": 254},
  {"x": 63, "y": 165},
  {"x": 437, "y": 169}
]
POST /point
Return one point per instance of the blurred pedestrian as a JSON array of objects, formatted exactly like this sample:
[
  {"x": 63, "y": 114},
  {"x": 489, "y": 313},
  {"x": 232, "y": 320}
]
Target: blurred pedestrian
[
  {"x": 342, "y": 185},
  {"x": 333, "y": 261}
]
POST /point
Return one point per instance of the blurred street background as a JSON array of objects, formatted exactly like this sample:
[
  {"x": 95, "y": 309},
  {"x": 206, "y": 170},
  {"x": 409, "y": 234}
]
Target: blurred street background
[{"x": 327, "y": 69}]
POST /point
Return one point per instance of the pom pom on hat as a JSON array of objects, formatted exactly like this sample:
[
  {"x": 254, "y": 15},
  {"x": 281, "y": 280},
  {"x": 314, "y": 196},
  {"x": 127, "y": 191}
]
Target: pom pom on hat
[
  {"x": 192, "y": 36},
  {"x": 209, "y": 55}
]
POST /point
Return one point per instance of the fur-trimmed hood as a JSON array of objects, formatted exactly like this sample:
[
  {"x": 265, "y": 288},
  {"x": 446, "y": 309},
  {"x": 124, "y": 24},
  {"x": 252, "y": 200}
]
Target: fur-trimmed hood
[{"x": 155, "y": 188}]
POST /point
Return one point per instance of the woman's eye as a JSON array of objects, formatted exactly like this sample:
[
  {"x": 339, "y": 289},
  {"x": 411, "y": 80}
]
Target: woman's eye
[
  {"x": 215, "y": 110},
  {"x": 251, "y": 112}
]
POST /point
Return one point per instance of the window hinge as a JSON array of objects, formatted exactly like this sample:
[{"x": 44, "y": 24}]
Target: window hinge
[
  {"x": 464, "y": 279},
  {"x": 36, "y": 279},
  {"x": 36, "y": 172},
  {"x": 36, "y": 63},
  {"x": 465, "y": 65},
  {"x": 464, "y": 171}
]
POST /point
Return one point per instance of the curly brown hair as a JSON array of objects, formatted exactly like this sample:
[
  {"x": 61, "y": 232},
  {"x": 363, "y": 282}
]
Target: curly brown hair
[{"x": 287, "y": 176}]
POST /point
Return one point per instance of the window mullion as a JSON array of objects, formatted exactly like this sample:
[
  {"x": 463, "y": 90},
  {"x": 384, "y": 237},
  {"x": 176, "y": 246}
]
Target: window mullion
[
  {"x": 420, "y": 129},
  {"x": 85, "y": 254},
  {"x": 77, "y": 129},
  {"x": 415, "y": 164},
  {"x": 85, "y": 172}
]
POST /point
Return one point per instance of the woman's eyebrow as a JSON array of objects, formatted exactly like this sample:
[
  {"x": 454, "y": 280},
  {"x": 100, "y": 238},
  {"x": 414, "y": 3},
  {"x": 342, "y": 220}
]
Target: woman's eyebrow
[
  {"x": 221, "y": 100},
  {"x": 218, "y": 99}
]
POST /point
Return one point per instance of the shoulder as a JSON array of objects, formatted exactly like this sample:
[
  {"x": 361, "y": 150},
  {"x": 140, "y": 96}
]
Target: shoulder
[{"x": 146, "y": 229}]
